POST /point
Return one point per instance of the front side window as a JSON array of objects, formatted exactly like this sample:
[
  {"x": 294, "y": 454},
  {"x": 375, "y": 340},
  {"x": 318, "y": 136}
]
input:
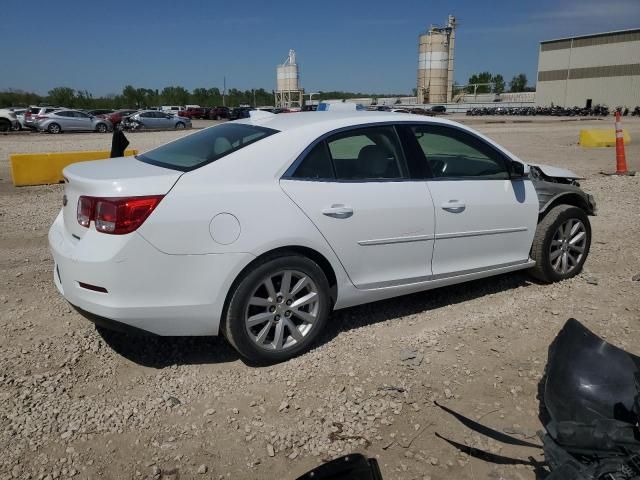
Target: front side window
[
  {"x": 205, "y": 146},
  {"x": 452, "y": 153},
  {"x": 370, "y": 153}
]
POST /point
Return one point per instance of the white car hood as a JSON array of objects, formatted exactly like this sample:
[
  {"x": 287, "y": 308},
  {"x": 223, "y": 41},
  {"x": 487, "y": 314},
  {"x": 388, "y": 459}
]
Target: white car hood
[{"x": 555, "y": 172}]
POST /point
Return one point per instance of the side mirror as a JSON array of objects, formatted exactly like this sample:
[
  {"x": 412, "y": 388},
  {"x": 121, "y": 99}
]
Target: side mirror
[{"x": 518, "y": 170}]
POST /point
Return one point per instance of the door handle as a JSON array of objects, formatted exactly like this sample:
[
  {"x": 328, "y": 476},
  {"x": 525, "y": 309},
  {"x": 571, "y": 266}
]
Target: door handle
[
  {"x": 338, "y": 211},
  {"x": 454, "y": 206}
]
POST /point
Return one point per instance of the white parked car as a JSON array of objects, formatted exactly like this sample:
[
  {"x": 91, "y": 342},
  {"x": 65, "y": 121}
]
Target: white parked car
[{"x": 259, "y": 228}]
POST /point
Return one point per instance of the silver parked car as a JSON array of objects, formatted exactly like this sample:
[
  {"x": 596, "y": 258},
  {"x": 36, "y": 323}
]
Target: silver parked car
[
  {"x": 72, "y": 120},
  {"x": 32, "y": 113},
  {"x": 154, "y": 119}
]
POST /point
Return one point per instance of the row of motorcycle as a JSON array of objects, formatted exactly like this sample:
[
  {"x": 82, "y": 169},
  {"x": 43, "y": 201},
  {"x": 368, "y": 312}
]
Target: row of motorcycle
[{"x": 555, "y": 111}]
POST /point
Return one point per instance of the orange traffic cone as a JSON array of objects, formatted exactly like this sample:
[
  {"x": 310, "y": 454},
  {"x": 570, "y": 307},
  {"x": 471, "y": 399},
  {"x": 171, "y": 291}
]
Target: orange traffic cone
[{"x": 621, "y": 160}]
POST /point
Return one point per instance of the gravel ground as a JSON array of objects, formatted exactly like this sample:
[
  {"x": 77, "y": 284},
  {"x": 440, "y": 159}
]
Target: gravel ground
[{"x": 80, "y": 403}]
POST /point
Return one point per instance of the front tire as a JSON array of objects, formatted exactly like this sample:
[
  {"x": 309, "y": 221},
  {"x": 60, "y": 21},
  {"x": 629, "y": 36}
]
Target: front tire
[
  {"x": 54, "y": 128},
  {"x": 102, "y": 128},
  {"x": 180, "y": 126},
  {"x": 277, "y": 309},
  {"x": 561, "y": 244},
  {"x": 5, "y": 125}
]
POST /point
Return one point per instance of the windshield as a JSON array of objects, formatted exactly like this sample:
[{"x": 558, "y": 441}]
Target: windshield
[{"x": 206, "y": 146}]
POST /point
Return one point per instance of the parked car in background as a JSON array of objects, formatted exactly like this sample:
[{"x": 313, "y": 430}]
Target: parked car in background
[
  {"x": 8, "y": 120},
  {"x": 72, "y": 121},
  {"x": 101, "y": 112},
  {"x": 194, "y": 112},
  {"x": 116, "y": 117},
  {"x": 218, "y": 113},
  {"x": 370, "y": 205},
  {"x": 240, "y": 112},
  {"x": 175, "y": 109},
  {"x": 32, "y": 112},
  {"x": 154, "y": 119},
  {"x": 19, "y": 111}
]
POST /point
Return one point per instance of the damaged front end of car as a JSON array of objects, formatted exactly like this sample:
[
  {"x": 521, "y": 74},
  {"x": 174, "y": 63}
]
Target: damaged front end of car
[{"x": 556, "y": 185}]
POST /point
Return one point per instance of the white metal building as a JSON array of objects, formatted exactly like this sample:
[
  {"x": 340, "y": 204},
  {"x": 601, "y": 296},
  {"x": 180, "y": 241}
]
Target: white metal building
[{"x": 602, "y": 68}]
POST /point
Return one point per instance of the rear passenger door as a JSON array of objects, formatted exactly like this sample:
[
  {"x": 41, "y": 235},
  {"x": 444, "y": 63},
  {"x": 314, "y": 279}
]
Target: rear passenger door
[
  {"x": 355, "y": 187},
  {"x": 484, "y": 219}
]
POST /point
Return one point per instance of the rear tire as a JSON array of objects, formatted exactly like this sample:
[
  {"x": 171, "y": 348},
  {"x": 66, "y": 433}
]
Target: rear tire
[
  {"x": 561, "y": 244},
  {"x": 277, "y": 309},
  {"x": 180, "y": 126},
  {"x": 54, "y": 128},
  {"x": 101, "y": 128},
  {"x": 5, "y": 125}
]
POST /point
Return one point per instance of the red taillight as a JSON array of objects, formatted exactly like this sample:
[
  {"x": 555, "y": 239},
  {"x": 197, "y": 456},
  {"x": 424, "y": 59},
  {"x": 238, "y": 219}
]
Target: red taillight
[{"x": 116, "y": 215}]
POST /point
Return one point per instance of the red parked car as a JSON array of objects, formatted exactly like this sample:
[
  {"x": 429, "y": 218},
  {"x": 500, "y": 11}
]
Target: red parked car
[
  {"x": 194, "y": 112},
  {"x": 116, "y": 117},
  {"x": 218, "y": 113}
]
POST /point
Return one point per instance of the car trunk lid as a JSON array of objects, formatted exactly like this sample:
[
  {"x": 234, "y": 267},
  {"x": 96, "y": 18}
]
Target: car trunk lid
[{"x": 115, "y": 177}]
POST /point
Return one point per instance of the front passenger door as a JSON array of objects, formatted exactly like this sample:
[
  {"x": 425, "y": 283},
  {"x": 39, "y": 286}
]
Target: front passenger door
[
  {"x": 82, "y": 121},
  {"x": 484, "y": 219}
]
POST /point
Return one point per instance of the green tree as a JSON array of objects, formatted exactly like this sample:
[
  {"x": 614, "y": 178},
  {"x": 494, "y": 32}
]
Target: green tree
[
  {"x": 518, "y": 83},
  {"x": 498, "y": 83},
  {"x": 174, "y": 95},
  {"x": 482, "y": 80},
  {"x": 130, "y": 96},
  {"x": 63, "y": 97}
]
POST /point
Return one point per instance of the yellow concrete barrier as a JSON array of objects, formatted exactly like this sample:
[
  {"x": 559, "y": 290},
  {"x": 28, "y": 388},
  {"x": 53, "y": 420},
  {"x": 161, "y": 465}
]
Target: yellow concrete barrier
[
  {"x": 601, "y": 137},
  {"x": 45, "y": 168}
]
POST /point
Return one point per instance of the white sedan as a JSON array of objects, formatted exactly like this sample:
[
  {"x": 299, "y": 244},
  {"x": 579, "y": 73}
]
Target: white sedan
[{"x": 259, "y": 228}]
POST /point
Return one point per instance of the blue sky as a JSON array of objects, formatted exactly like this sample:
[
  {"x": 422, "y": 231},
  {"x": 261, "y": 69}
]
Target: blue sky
[{"x": 359, "y": 45}]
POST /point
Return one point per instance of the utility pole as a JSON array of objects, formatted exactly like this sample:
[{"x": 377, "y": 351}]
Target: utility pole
[{"x": 224, "y": 91}]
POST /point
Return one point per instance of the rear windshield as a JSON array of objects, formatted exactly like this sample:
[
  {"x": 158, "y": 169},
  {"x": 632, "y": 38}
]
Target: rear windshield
[{"x": 205, "y": 146}]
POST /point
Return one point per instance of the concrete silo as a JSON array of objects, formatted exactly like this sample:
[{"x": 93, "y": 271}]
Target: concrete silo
[
  {"x": 288, "y": 92},
  {"x": 435, "y": 63}
]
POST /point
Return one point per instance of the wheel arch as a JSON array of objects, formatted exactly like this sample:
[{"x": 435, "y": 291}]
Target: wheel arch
[
  {"x": 568, "y": 198},
  {"x": 316, "y": 256}
]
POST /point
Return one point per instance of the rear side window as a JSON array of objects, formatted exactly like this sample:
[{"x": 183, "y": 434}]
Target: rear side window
[
  {"x": 205, "y": 146},
  {"x": 316, "y": 165},
  {"x": 363, "y": 154}
]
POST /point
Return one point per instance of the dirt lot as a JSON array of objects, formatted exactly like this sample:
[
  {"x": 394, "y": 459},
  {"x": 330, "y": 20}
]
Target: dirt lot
[{"x": 78, "y": 403}]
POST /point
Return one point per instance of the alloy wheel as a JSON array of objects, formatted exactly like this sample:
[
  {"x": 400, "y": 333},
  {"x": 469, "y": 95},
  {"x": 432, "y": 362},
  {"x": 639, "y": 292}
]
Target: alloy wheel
[
  {"x": 567, "y": 246},
  {"x": 282, "y": 310}
]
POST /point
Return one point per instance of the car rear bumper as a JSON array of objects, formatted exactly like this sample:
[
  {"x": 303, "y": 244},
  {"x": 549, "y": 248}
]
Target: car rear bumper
[{"x": 125, "y": 279}]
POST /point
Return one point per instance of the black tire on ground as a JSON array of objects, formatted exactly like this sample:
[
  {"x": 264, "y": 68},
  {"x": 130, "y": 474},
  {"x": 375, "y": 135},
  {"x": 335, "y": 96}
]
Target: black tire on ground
[
  {"x": 218, "y": 117},
  {"x": 54, "y": 128},
  {"x": 179, "y": 126},
  {"x": 233, "y": 324},
  {"x": 541, "y": 247},
  {"x": 5, "y": 125},
  {"x": 102, "y": 128}
]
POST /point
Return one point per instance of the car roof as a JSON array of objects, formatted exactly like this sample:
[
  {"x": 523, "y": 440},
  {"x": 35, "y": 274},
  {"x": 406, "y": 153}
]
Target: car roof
[{"x": 328, "y": 121}]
